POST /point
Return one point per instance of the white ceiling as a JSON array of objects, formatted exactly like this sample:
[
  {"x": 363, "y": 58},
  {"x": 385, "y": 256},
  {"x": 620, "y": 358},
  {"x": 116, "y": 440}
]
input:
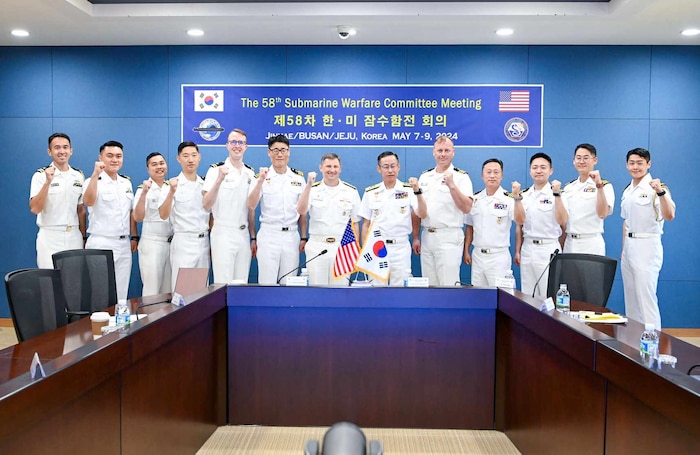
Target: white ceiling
[{"x": 78, "y": 22}]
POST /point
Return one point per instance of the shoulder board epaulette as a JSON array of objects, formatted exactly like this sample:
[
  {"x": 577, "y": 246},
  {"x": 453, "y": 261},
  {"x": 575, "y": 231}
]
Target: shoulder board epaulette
[
  {"x": 257, "y": 175},
  {"x": 200, "y": 177},
  {"x": 166, "y": 182},
  {"x": 525, "y": 190},
  {"x": 249, "y": 167},
  {"x": 316, "y": 183},
  {"x": 569, "y": 183},
  {"x": 604, "y": 182},
  {"x": 351, "y": 186},
  {"x": 427, "y": 170},
  {"x": 663, "y": 185},
  {"x": 373, "y": 187},
  {"x": 76, "y": 169},
  {"x": 478, "y": 192},
  {"x": 125, "y": 176},
  {"x": 220, "y": 163},
  {"x": 42, "y": 169},
  {"x": 628, "y": 185},
  {"x": 139, "y": 187},
  {"x": 406, "y": 185},
  {"x": 509, "y": 194},
  {"x": 461, "y": 171},
  {"x": 297, "y": 171}
]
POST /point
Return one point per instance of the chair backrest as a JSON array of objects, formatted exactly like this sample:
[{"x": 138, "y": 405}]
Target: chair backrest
[
  {"x": 36, "y": 300},
  {"x": 589, "y": 277},
  {"x": 89, "y": 283}
]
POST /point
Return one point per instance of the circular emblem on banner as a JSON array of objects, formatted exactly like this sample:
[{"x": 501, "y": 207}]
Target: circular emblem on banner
[
  {"x": 209, "y": 129},
  {"x": 379, "y": 249},
  {"x": 516, "y": 129}
]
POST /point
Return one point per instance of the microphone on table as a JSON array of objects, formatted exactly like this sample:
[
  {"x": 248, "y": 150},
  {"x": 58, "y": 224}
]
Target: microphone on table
[
  {"x": 295, "y": 269},
  {"x": 545, "y": 269},
  {"x": 143, "y": 305}
]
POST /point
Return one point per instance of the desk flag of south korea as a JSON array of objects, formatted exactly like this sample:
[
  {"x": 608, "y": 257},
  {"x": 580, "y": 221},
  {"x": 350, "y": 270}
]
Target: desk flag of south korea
[
  {"x": 373, "y": 258},
  {"x": 348, "y": 252}
]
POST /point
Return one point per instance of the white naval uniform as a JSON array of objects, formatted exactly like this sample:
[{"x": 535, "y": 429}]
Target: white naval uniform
[
  {"x": 442, "y": 237},
  {"x": 330, "y": 207},
  {"x": 58, "y": 222},
  {"x": 584, "y": 228},
  {"x": 230, "y": 238},
  {"x": 154, "y": 246},
  {"x": 109, "y": 224},
  {"x": 642, "y": 252},
  {"x": 540, "y": 238},
  {"x": 390, "y": 211},
  {"x": 278, "y": 238},
  {"x": 491, "y": 217},
  {"x": 190, "y": 244}
]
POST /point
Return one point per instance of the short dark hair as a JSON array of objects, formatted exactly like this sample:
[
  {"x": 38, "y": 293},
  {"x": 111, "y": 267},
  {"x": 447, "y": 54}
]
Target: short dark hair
[
  {"x": 186, "y": 144},
  {"x": 492, "y": 160},
  {"x": 279, "y": 138},
  {"x": 56, "y": 135},
  {"x": 644, "y": 153},
  {"x": 541, "y": 155},
  {"x": 330, "y": 156},
  {"x": 385, "y": 154},
  {"x": 111, "y": 144},
  {"x": 589, "y": 147},
  {"x": 153, "y": 155}
]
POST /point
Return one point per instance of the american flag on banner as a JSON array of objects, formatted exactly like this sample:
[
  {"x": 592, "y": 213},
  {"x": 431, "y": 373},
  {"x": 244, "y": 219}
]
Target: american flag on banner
[
  {"x": 347, "y": 254},
  {"x": 373, "y": 259},
  {"x": 514, "y": 101}
]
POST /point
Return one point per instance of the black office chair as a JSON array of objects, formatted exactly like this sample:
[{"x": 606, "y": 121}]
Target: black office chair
[
  {"x": 36, "y": 301},
  {"x": 589, "y": 277},
  {"x": 344, "y": 438},
  {"x": 89, "y": 283}
]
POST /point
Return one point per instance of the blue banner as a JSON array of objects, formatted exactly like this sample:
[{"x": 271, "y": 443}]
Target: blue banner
[{"x": 366, "y": 115}]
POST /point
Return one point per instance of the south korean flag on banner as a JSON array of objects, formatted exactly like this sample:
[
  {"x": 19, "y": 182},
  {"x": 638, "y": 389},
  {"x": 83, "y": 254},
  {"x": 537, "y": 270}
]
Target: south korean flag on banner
[{"x": 209, "y": 101}]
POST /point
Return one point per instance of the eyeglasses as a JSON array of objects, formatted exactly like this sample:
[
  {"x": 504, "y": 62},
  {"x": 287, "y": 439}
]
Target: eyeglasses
[
  {"x": 280, "y": 151},
  {"x": 583, "y": 158},
  {"x": 386, "y": 167},
  {"x": 236, "y": 142}
]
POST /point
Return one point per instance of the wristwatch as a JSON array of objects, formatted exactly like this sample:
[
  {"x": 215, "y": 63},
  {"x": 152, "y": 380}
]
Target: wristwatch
[{"x": 420, "y": 191}]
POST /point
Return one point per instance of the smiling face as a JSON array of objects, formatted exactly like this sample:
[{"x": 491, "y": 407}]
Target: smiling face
[
  {"x": 389, "y": 169},
  {"x": 236, "y": 145},
  {"x": 444, "y": 153},
  {"x": 113, "y": 159},
  {"x": 492, "y": 174},
  {"x": 584, "y": 161},
  {"x": 60, "y": 151},
  {"x": 279, "y": 156},
  {"x": 330, "y": 168},
  {"x": 540, "y": 171},
  {"x": 638, "y": 167},
  {"x": 157, "y": 169}
]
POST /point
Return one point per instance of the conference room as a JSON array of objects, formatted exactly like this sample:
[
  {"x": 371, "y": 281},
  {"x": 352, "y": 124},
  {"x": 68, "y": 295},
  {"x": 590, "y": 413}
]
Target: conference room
[{"x": 616, "y": 74}]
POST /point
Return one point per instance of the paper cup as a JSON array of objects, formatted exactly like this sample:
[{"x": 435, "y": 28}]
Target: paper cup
[{"x": 99, "y": 320}]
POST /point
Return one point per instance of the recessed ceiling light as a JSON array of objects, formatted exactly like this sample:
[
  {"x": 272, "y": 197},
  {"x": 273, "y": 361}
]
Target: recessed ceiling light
[
  {"x": 504, "y": 31},
  {"x": 690, "y": 32},
  {"x": 195, "y": 32},
  {"x": 20, "y": 33}
]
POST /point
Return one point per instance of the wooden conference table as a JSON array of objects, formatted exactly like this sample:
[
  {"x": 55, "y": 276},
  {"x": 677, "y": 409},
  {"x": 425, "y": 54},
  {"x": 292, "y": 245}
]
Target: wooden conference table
[
  {"x": 158, "y": 388},
  {"x": 387, "y": 357}
]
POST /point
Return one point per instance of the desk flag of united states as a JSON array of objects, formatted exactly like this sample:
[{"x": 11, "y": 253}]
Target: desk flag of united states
[{"x": 347, "y": 254}]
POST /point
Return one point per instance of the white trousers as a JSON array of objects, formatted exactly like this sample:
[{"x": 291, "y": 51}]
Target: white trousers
[
  {"x": 441, "y": 255},
  {"x": 49, "y": 242},
  {"x": 533, "y": 262},
  {"x": 486, "y": 267},
  {"x": 230, "y": 253},
  {"x": 399, "y": 256},
  {"x": 121, "y": 249},
  {"x": 154, "y": 264},
  {"x": 189, "y": 251},
  {"x": 640, "y": 265},
  {"x": 321, "y": 269},
  {"x": 278, "y": 253},
  {"x": 588, "y": 245}
]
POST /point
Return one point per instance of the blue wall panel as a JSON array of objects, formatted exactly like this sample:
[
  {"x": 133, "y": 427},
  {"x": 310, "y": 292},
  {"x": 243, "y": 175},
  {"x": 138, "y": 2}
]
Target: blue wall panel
[{"x": 615, "y": 97}]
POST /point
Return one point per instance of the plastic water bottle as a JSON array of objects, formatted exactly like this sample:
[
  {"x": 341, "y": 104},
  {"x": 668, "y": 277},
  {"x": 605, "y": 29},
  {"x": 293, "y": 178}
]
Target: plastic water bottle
[
  {"x": 406, "y": 276},
  {"x": 305, "y": 274},
  {"x": 563, "y": 299},
  {"x": 121, "y": 313},
  {"x": 649, "y": 344},
  {"x": 511, "y": 279}
]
